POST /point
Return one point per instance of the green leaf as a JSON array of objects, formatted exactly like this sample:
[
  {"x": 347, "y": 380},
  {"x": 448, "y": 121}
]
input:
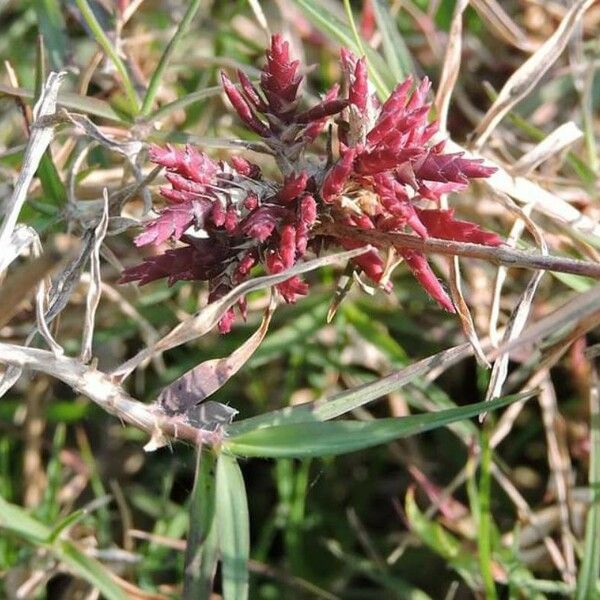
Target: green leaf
[
  {"x": 234, "y": 528},
  {"x": 201, "y": 553},
  {"x": 327, "y": 22},
  {"x": 339, "y": 437},
  {"x": 344, "y": 402},
  {"x": 396, "y": 53},
  {"x": 93, "y": 571}
]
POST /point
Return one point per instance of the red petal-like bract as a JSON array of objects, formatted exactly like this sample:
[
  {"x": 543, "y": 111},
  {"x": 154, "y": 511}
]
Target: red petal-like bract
[{"x": 389, "y": 177}]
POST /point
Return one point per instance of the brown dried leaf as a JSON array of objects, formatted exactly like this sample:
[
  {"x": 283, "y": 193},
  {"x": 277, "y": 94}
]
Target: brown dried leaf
[{"x": 185, "y": 394}]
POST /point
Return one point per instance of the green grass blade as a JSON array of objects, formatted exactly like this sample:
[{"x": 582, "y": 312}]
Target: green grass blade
[
  {"x": 589, "y": 572},
  {"x": 52, "y": 26},
  {"x": 484, "y": 537},
  {"x": 154, "y": 84},
  {"x": 110, "y": 51},
  {"x": 18, "y": 521},
  {"x": 234, "y": 528},
  {"x": 327, "y": 22},
  {"x": 201, "y": 552},
  {"x": 93, "y": 571},
  {"x": 319, "y": 438},
  {"x": 347, "y": 401},
  {"x": 396, "y": 53}
]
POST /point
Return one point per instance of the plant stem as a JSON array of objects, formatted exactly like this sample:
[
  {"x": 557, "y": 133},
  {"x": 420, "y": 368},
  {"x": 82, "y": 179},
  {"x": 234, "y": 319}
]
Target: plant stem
[
  {"x": 111, "y": 52},
  {"x": 493, "y": 254},
  {"x": 154, "y": 84},
  {"x": 485, "y": 518}
]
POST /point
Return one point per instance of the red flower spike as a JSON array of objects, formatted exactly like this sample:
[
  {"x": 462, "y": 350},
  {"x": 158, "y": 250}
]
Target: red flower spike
[
  {"x": 377, "y": 184},
  {"x": 251, "y": 92},
  {"x": 260, "y": 223},
  {"x": 318, "y": 126},
  {"x": 231, "y": 220},
  {"x": 426, "y": 277},
  {"x": 242, "y": 107},
  {"x": 359, "y": 87},
  {"x": 279, "y": 80},
  {"x": 324, "y": 109},
  {"x": 293, "y": 186},
  {"x": 368, "y": 23},
  {"x": 287, "y": 245},
  {"x": 442, "y": 224},
  {"x": 335, "y": 180},
  {"x": 245, "y": 167}
]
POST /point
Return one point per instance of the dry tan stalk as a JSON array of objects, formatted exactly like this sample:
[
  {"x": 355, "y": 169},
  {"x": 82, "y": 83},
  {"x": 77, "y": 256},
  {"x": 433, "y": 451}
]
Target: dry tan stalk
[
  {"x": 524, "y": 79},
  {"x": 500, "y": 23},
  {"x": 451, "y": 67},
  {"x": 511, "y": 240},
  {"x": 520, "y": 314},
  {"x": 561, "y": 468},
  {"x": 40, "y": 139},
  {"x": 99, "y": 388},
  {"x": 517, "y": 499},
  {"x": 449, "y": 77},
  {"x": 552, "y": 144},
  {"x": 95, "y": 287}
]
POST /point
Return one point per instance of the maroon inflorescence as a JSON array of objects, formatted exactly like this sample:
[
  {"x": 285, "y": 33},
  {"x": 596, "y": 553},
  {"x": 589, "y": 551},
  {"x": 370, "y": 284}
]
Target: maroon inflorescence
[{"x": 226, "y": 218}]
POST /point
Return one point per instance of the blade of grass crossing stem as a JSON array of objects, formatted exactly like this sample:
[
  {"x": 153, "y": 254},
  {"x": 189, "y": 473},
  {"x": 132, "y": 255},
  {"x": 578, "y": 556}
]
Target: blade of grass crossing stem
[
  {"x": 396, "y": 53},
  {"x": 324, "y": 20},
  {"x": 111, "y": 52},
  {"x": 349, "y": 400},
  {"x": 156, "y": 78},
  {"x": 330, "y": 438},
  {"x": 234, "y": 528},
  {"x": 589, "y": 572},
  {"x": 201, "y": 553},
  {"x": 52, "y": 27},
  {"x": 485, "y": 517}
]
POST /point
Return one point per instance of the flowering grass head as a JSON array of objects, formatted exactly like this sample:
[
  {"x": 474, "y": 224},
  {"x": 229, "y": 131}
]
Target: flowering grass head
[{"x": 226, "y": 217}]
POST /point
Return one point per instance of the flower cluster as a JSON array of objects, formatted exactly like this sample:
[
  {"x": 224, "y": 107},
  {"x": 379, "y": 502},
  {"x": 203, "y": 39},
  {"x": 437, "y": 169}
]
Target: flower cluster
[{"x": 227, "y": 218}]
